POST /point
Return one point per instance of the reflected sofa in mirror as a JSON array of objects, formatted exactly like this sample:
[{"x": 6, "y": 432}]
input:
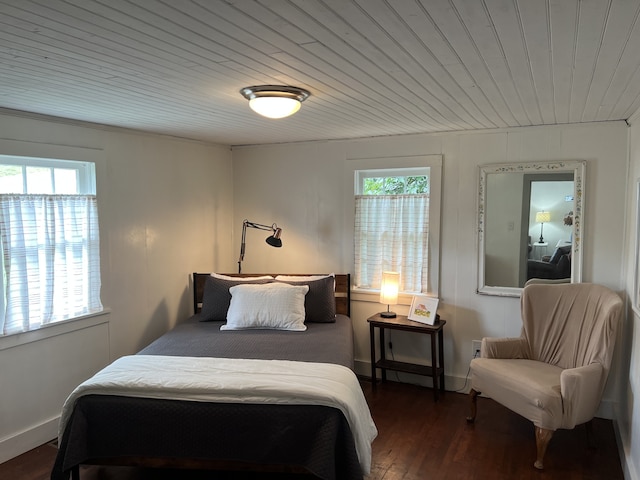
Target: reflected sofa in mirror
[{"x": 529, "y": 224}]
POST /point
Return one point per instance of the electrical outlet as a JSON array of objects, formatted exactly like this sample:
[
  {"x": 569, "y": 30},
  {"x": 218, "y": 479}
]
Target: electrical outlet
[{"x": 476, "y": 344}]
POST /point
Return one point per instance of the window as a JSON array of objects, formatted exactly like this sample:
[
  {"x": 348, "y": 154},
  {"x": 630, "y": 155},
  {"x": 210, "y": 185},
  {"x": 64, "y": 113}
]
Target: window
[
  {"x": 392, "y": 227},
  {"x": 413, "y": 252},
  {"x": 406, "y": 181},
  {"x": 49, "y": 241}
]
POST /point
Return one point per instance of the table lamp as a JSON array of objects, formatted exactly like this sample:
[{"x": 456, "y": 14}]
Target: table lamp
[
  {"x": 542, "y": 218},
  {"x": 389, "y": 292}
]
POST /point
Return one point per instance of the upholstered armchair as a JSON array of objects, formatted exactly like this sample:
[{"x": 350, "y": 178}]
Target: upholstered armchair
[
  {"x": 554, "y": 374},
  {"x": 555, "y": 266}
]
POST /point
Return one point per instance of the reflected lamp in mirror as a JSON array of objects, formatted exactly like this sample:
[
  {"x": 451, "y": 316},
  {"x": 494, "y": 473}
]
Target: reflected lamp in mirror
[
  {"x": 542, "y": 218},
  {"x": 389, "y": 292},
  {"x": 273, "y": 240}
]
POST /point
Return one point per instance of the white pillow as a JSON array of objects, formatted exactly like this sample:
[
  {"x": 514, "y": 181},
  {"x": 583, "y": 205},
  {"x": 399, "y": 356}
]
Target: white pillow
[
  {"x": 276, "y": 306},
  {"x": 248, "y": 279}
]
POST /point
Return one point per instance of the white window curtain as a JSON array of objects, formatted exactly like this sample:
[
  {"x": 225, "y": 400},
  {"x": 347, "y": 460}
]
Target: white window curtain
[
  {"x": 391, "y": 233},
  {"x": 50, "y": 259}
]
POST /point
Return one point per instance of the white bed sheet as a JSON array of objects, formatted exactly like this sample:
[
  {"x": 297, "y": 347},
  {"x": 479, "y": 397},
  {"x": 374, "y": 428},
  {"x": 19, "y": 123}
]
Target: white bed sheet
[{"x": 205, "y": 379}]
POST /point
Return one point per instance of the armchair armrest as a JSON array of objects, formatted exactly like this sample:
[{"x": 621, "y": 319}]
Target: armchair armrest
[
  {"x": 581, "y": 390},
  {"x": 504, "y": 348}
]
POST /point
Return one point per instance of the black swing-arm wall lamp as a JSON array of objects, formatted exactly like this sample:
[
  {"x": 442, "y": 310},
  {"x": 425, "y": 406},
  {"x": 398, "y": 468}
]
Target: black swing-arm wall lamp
[{"x": 273, "y": 239}]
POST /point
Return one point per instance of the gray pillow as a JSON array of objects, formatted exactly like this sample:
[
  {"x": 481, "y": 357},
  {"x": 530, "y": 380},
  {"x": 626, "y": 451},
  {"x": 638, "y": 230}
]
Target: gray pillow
[
  {"x": 320, "y": 301},
  {"x": 216, "y": 297}
]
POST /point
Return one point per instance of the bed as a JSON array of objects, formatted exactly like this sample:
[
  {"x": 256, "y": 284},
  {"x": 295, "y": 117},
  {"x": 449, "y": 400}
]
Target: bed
[{"x": 271, "y": 415}]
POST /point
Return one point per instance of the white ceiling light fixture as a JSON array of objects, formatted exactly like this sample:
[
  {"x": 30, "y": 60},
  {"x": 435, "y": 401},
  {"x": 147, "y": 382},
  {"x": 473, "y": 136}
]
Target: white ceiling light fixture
[{"x": 275, "y": 101}]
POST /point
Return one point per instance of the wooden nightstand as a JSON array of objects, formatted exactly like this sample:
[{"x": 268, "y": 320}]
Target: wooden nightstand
[{"x": 401, "y": 322}]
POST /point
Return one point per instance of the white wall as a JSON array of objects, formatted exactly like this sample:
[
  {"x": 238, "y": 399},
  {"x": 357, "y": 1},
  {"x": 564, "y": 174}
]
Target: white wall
[
  {"x": 165, "y": 211},
  {"x": 169, "y": 207},
  {"x": 303, "y": 187},
  {"x": 628, "y": 412}
]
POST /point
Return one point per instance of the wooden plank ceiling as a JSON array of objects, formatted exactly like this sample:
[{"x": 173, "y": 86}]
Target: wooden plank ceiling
[{"x": 374, "y": 67}]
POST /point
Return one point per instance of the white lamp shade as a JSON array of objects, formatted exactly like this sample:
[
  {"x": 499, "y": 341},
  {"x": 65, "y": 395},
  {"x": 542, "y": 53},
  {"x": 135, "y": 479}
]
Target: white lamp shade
[
  {"x": 543, "y": 217},
  {"x": 274, "y": 107},
  {"x": 389, "y": 288}
]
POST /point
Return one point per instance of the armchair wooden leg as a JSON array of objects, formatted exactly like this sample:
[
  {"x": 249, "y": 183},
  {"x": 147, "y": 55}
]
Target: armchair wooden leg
[
  {"x": 543, "y": 436},
  {"x": 473, "y": 396}
]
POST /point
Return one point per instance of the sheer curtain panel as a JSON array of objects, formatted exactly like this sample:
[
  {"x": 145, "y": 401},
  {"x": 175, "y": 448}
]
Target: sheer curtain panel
[
  {"x": 51, "y": 259},
  {"x": 391, "y": 233}
]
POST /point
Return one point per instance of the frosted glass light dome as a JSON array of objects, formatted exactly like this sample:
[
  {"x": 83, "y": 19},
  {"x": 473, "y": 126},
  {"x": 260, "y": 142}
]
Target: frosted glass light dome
[
  {"x": 274, "y": 101},
  {"x": 274, "y": 107}
]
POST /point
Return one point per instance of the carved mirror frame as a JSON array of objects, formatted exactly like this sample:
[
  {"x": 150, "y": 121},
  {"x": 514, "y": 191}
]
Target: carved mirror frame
[{"x": 578, "y": 168}]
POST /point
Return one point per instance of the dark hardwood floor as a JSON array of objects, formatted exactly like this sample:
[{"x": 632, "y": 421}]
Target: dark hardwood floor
[{"x": 419, "y": 439}]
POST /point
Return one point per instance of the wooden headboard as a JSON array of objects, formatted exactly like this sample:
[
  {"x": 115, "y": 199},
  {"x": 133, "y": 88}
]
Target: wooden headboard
[{"x": 343, "y": 288}]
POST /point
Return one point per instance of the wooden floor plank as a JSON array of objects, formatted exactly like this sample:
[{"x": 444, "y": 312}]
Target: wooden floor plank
[{"x": 419, "y": 439}]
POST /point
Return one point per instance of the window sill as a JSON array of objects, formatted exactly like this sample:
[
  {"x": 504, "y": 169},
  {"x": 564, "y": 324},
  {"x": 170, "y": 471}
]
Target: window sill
[
  {"x": 55, "y": 329},
  {"x": 373, "y": 296}
]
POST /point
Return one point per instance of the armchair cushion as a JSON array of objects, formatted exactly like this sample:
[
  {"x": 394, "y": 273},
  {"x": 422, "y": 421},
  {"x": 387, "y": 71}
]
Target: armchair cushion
[{"x": 528, "y": 387}]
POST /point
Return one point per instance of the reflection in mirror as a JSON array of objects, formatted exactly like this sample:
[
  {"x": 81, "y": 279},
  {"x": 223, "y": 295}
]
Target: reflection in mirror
[{"x": 529, "y": 224}]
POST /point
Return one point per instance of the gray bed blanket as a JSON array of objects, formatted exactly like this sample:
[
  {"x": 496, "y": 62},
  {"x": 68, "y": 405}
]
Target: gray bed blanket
[
  {"x": 321, "y": 342},
  {"x": 312, "y": 439}
]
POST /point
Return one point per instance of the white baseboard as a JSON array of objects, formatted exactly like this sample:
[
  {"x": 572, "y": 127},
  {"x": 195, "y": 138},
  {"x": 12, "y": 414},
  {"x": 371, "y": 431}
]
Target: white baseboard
[
  {"x": 606, "y": 409},
  {"x": 626, "y": 460},
  {"x": 362, "y": 368},
  {"x": 26, "y": 440},
  {"x": 452, "y": 384}
]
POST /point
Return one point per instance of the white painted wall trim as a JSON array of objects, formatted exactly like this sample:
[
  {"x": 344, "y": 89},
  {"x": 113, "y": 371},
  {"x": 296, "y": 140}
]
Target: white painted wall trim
[
  {"x": 624, "y": 450},
  {"x": 28, "y": 439},
  {"x": 452, "y": 383},
  {"x": 55, "y": 329}
]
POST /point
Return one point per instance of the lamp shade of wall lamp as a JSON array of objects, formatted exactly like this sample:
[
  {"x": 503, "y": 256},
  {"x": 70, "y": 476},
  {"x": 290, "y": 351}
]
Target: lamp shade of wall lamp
[
  {"x": 275, "y": 101},
  {"x": 273, "y": 240},
  {"x": 542, "y": 218},
  {"x": 389, "y": 287}
]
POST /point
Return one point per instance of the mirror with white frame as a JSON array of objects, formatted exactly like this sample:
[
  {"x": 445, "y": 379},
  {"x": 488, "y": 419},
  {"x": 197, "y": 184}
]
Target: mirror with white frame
[{"x": 529, "y": 224}]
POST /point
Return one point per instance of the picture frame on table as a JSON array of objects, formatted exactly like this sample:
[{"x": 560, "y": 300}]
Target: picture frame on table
[{"x": 423, "y": 309}]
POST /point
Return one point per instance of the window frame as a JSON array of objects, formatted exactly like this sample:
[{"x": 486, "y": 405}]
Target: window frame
[
  {"x": 97, "y": 156},
  {"x": 361, "y": 175},
  {"x": 86, "y": 162},
  {"x": 395, "y": 164},
  {"x": 85, "y": 170}
]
